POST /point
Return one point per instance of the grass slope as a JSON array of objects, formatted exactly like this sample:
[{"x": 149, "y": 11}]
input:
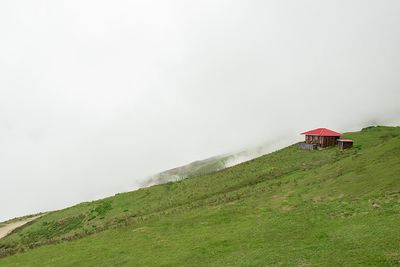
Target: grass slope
[{"x": 290, "y": 207}]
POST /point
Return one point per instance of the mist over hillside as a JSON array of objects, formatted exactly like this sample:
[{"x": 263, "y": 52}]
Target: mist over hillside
[
  {"x": 95, "y": 97},
  {"x": 291, "y": 207},
  {"x": 213, "y": 164}
]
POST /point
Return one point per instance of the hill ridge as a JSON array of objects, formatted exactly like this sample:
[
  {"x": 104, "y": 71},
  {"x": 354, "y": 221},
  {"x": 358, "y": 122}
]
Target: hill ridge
[{"x": 321, "y": 192}]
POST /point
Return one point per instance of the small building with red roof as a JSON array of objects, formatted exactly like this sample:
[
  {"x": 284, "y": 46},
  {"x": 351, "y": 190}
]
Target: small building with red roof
[{"x": 320, "y": 138}]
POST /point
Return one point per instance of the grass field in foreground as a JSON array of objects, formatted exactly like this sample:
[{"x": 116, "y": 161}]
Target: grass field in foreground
[{"x": 291, "y": 207}]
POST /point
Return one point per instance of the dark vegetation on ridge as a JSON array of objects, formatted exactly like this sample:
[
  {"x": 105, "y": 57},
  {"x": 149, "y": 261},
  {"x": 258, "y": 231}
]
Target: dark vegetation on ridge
[{"x": 290, "y": 207}]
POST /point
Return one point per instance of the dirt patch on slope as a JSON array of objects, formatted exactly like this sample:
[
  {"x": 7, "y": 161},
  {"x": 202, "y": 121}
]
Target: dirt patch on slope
[{"x": 8, "y": 228}]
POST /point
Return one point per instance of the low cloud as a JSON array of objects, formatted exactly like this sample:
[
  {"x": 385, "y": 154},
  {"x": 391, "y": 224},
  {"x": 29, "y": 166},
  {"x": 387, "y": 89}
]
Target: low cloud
[{"x": 97, "y": 96}]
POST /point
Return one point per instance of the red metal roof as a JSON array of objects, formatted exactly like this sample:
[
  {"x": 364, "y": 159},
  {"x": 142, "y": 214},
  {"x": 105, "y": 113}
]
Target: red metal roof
[{"x": 322, "y": 132}]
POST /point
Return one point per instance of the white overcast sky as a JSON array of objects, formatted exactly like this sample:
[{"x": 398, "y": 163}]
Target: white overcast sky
[{"x": 97, "y": 95}]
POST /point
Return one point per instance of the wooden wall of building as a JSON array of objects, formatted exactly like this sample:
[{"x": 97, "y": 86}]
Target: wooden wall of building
[
  {"x": 344, "y": 145},
  {"x": 327, "y": 141},
  {"x": 322, "y": 141}
]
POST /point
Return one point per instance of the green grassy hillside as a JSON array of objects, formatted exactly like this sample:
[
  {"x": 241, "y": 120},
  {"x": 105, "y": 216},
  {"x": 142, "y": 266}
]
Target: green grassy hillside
[{"x": 288, "y": 208}]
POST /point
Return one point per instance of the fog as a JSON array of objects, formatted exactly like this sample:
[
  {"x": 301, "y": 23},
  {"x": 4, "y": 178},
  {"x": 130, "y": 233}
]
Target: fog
[{"x": 95, "y": 96}]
